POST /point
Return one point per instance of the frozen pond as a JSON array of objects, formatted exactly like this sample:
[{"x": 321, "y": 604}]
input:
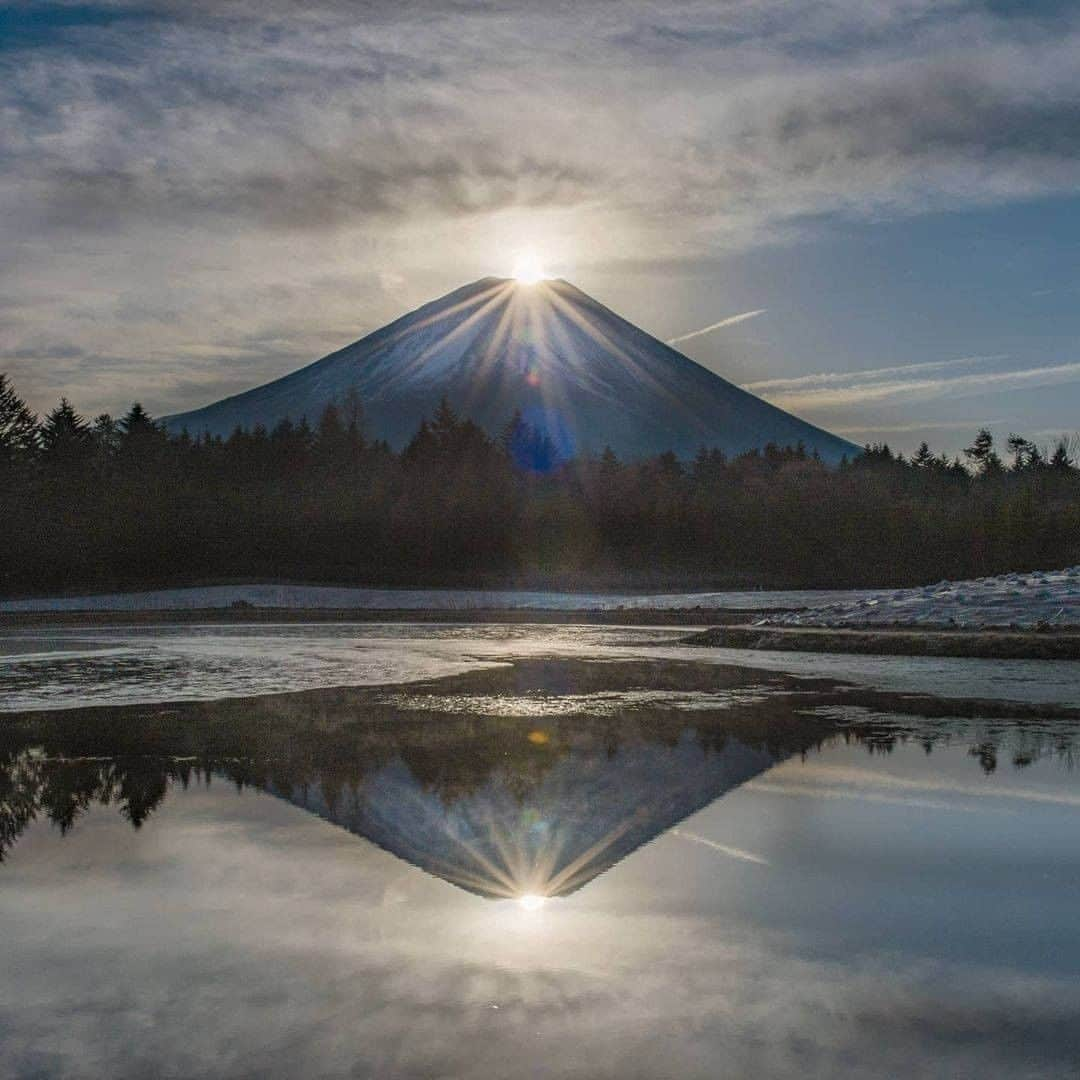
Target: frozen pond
[
  {"x": 62, "y": 668},
  {"x": 490, "y": 851}
]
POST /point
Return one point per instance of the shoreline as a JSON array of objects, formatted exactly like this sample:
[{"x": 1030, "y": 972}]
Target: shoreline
[
  {"x": 689, "y": 617},
  {"x": 729, "y": 628},
  {"x": 985, "y": 644}
]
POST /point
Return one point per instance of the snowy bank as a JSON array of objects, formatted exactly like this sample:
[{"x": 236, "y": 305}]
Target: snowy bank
[
  {"x": 317, "y": 597},
  {"x": 1041, "y": 598}
]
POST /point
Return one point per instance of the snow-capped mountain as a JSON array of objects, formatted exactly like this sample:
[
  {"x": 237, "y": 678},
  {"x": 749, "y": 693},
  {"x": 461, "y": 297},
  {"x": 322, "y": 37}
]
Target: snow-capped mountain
[{"x": 574, "y": 368}]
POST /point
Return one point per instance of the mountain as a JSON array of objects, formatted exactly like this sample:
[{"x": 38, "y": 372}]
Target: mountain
[{"x": 574, "y": 368}]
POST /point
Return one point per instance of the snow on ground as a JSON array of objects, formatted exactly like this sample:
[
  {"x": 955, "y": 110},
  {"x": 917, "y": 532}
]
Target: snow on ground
[
  {"x": 1022, "y": 600},
  {"x": 1042, "y": 597},
  {"x": 314, "y": 597}
]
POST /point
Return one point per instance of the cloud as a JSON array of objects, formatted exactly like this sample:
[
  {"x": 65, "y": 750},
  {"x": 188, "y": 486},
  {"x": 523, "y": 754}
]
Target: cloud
[
  {"x": 320, "y": 119},
  {"x": 917, "y": 427},
  {"x": 190, "y": 153},
  {"x": 731, "y": 320},
  {"x": 875, "y": 390},
  {"x": 323, "y": 192},
  {"x": 798, "y": 382}
]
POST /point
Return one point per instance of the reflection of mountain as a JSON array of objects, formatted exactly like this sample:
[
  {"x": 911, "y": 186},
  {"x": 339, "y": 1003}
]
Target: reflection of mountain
[
  {"x": 590, "y": 808},
  {"x": 539, "y": 801}
]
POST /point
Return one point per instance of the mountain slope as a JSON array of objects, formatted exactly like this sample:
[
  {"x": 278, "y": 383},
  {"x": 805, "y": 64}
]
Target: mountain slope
[{"x": 588, "y": 377}]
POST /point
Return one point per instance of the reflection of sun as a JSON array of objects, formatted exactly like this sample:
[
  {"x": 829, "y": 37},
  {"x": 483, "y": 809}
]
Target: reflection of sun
[
  {"x": 527, "y": 268},
  {"x": 531, "y": 901}
]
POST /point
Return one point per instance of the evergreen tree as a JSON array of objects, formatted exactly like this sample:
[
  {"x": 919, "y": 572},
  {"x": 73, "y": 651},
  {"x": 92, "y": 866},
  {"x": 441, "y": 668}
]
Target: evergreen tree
[
  {"x": 18, "y": 425},
  {"x": 142, "y": 441},
  {"x": 352, "y": 410},
  {"x": 445, "y": 426},
  {"x": 107, "y": 435},
  {"x": 982, "y": 455},
  {"x": 1021, "y": 451},
  {"x": 331, "y": 431},
  {"x": 1060, "y": 461},
  {"x": 65, "y": 437},
  {"x": 923, "y": 457},
  {"x": 137, "y": 423}
]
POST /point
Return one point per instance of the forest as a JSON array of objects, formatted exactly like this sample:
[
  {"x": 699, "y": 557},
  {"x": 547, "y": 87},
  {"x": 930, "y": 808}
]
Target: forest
[{"x": 108, "y": 504}]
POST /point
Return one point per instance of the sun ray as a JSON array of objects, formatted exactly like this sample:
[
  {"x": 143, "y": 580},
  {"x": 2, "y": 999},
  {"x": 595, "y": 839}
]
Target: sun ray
[
  {"x": 494, "y": 298},
  {"x": 601, "y": 339}
]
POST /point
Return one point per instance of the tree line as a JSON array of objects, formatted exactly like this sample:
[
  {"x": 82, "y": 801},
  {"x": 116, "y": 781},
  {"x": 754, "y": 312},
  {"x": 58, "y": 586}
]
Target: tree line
[{"x": 119, "y": 503}]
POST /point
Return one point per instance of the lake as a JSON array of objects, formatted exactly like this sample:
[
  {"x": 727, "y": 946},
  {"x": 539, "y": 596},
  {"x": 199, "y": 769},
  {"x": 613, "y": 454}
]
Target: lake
[{"x": 449, "y": 851}]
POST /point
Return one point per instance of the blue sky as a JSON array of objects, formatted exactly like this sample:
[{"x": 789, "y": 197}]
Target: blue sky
[{"x": 198, "y": 197}]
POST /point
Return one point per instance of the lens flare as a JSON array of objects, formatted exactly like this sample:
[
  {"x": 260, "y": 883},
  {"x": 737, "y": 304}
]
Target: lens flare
[{"x": 532, "y": 902}]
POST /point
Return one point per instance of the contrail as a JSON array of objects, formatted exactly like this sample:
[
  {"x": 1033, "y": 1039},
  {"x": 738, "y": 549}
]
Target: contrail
[
  {"x": 731, "y": 320},
  {"x": 734, "y": 852}
]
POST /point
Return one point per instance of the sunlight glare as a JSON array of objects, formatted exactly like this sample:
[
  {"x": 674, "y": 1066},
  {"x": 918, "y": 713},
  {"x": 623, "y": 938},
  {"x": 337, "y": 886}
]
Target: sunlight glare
[
  {"x": 531, "y": 901},
  {"x": 527, "y": 268}
]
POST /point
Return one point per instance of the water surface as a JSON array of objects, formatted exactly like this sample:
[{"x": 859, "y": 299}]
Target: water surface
[{"x": 551, "y": 865}]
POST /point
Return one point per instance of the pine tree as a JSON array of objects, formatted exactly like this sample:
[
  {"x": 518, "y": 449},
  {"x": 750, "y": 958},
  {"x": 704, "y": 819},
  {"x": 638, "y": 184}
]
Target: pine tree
[
  {"x": 422, "y": 447},
  {"x": 609, "y": 463},
  {"x": 923, "y": 457},
  {"x": 981, "y": 454},
  {"x": 352, "y": 409},
  {"x": 1060, "y": 461},
  {"x": 331, "y": 430},
  {"x": 445, "y": 424},
  {"x": 1021, "y": 450},
  {"x": 65, "y": 437},
  {"x": 18, "y": 425},
  {"x": 137, "y": 423},
  {"x": 107, "y": 436},
  {"x": 512, "y": 432}
]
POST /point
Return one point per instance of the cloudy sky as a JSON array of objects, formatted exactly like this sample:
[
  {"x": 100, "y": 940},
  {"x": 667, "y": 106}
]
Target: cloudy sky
[{"x": 871, "y": 207}]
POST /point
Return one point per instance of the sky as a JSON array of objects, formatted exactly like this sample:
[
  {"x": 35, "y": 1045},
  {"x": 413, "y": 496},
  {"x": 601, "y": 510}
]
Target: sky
[{"x": 871, "y": 208}]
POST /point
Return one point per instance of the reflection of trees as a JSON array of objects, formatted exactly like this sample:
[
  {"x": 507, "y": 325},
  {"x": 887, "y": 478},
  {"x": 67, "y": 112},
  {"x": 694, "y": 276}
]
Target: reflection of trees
[
  {"x": 63, "y": 789},
  {"x": 1022, "y": 741},
  {"x": 320, "y": 749}
]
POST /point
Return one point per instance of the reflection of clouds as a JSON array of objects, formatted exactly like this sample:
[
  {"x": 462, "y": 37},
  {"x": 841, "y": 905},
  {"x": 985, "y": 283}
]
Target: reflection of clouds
[
  {"x": 816, "y": 791},
  {"x": 265, "y": 947},
  {"x": 723, "y": 849},
  {"x": 847, "y": 782}
]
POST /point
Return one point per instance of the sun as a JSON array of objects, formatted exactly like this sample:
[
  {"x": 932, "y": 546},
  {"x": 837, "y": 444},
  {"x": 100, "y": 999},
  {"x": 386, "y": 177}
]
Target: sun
[
  {"x": 532, "y": 901},
  {"x": 527, "y": 268}
]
